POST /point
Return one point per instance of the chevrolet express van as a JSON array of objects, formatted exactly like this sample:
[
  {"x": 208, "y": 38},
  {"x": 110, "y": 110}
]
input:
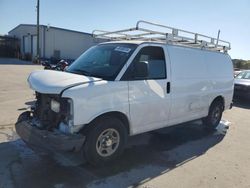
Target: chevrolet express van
[{"x": 130, "y": 85}]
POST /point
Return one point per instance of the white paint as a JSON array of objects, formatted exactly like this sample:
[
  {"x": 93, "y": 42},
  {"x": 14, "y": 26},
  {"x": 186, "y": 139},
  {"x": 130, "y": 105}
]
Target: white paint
[{"x": 53, "y": 82}]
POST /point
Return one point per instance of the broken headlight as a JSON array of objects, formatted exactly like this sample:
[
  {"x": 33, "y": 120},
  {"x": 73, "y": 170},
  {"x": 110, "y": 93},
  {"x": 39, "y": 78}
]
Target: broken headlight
[
  {"x": 67, "y": 115},
  {"x": 66, "y": 110},
  {"x": 55, "y": 106}
]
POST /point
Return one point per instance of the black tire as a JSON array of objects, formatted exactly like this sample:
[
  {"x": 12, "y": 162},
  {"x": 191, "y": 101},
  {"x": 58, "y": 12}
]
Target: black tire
[
  {"x": 97, "y": 131},
  {"x": 23, "y": 116},
  {"x": 214, "y": 116}
]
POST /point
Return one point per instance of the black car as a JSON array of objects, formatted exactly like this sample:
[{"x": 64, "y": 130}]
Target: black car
[{"x": 242, "y": 85}]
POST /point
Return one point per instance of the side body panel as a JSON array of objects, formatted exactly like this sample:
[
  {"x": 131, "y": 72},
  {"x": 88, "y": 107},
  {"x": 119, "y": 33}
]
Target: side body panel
[
  {"x": 198, "y": 77},
  {"x": 220, "y": 70},
  {"x": 189, "y": 86}
]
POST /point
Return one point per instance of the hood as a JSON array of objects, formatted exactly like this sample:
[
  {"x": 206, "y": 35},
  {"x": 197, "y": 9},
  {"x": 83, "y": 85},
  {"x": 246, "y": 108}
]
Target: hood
[
  {"x": 53, "y": 82},
  {"x": 245, "y": 82}
]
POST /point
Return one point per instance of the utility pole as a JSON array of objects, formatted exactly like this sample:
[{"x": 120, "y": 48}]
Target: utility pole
[{"x": 37, "y": 28}]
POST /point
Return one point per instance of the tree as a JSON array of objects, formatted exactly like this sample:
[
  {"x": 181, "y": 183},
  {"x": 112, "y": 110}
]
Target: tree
[{"x": 241, "y": 64}]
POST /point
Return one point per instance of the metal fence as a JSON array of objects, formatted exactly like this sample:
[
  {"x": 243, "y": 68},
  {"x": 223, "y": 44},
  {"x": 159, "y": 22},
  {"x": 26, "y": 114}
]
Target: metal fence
[{"x": 9, "y": 47}]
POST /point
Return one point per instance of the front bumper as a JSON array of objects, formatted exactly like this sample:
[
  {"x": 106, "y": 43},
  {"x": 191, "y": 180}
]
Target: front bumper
[
  {"x": 241, "y": 94},
  {"x": 47, "y": 139}
]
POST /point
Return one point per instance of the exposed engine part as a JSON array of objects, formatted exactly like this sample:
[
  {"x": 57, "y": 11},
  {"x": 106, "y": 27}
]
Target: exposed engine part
[{"x": 44, "y": 117}]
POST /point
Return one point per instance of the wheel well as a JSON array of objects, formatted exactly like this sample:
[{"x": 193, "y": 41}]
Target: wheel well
[
  {"x": 219, "y": 99},
  {"x": 116, "y": 114}
]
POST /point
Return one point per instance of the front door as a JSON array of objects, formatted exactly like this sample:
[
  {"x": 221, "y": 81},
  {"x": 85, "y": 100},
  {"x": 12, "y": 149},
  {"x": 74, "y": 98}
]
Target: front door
[{"x": 149, "y": 97}]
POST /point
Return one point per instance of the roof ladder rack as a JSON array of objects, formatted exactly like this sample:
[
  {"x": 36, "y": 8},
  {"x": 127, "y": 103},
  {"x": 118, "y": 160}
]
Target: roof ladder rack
[{"x": 165, "y": 34}]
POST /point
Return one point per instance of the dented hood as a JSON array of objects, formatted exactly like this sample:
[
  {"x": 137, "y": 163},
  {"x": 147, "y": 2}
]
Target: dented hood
[{"x": 53, "y": 82}]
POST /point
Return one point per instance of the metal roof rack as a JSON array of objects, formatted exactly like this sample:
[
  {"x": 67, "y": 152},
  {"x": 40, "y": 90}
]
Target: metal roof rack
[{"x": 165, "y": 34}]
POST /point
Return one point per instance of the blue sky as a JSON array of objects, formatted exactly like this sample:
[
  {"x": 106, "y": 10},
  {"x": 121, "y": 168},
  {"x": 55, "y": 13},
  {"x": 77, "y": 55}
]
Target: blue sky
[{"x": 232, "y": 17}]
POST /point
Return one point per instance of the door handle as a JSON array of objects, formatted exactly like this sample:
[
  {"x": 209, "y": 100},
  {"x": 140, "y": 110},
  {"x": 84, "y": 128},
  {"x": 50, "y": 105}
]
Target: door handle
[{"x": 168, "y": 87}]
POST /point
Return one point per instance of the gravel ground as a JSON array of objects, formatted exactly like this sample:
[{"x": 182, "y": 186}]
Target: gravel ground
[{"x": 186, "y": 156}]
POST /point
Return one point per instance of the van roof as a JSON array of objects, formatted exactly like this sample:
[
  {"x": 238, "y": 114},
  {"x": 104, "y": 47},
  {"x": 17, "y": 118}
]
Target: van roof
[{"x": 138, "y": 42}]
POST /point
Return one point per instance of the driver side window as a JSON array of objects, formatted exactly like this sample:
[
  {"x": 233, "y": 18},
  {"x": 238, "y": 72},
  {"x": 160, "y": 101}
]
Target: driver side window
[{"x": 154, "y": 57}]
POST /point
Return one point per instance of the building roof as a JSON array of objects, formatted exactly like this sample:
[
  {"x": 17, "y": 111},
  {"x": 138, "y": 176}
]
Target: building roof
[{"x": 34, "y": 25}]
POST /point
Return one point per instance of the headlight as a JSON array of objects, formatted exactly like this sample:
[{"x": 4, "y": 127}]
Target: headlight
[{"x": 55, "y": 106}]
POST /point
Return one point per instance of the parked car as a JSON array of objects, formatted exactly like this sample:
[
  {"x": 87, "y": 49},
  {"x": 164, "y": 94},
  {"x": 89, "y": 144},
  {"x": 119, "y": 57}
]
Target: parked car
[
  {"x": 237, "y": 71},
  {"x": 242, "y": 85},
  {"x": 123, "y": 88}
]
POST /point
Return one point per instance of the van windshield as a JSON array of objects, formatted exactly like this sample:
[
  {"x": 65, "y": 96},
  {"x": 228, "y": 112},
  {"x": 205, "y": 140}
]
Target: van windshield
[{"x": 103, "y": 61}]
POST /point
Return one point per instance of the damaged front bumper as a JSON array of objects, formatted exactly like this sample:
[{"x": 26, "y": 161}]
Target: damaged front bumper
[{"x": 47, "y": 139}]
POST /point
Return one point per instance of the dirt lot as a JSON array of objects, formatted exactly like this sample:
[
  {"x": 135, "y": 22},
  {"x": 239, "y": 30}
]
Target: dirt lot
[{"x": 186, "y": 156}]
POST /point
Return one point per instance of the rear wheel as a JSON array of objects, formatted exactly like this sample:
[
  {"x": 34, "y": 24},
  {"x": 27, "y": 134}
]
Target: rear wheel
[
  {"x": 105, "y": 140},
  {"x": 214, "y": 115}
]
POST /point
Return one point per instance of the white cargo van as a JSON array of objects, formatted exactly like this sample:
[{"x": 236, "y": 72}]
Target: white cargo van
[{"x": 133, "y": 84}]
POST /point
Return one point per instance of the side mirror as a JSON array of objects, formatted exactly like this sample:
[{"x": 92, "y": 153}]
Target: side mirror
[{"x": 141, "y": 69}]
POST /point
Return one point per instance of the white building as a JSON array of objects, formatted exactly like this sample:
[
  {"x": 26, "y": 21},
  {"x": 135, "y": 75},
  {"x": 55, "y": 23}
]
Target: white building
[{"x": 54, "y": 42}]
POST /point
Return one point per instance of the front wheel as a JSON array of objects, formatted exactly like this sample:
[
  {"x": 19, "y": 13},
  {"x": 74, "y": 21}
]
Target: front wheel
[
  {"x": 214, "y": 115},
  {"x": 105, "y": 140}
]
